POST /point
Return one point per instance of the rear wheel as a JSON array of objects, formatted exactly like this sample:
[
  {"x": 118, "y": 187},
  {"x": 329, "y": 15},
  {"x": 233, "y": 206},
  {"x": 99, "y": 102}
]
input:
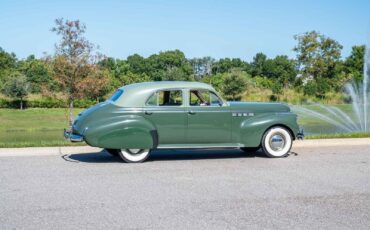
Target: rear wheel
[
  {"x": 277, "y": 142},
  {"x": 134, "y": 155}
]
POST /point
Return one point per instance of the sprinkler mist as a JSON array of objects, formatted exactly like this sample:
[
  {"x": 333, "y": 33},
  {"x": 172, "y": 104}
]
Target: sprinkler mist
[{"x": 359, "y": 120}]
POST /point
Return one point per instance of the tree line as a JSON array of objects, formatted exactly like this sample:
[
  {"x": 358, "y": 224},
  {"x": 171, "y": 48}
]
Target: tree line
[{"x": 77, "y": 70}]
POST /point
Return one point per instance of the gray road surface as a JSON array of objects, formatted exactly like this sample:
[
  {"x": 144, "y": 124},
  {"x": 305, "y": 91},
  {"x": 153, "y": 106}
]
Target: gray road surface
[{"x": 313, "y": 188}]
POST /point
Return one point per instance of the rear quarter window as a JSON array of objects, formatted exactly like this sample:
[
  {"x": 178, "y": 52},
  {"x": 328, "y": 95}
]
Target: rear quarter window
[{"x": 116, "y": 95}]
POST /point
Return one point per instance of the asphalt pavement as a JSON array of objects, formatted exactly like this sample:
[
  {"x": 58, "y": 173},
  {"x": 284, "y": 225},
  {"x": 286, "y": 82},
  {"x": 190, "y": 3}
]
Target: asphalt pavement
[{"x": 315, "y": 187}]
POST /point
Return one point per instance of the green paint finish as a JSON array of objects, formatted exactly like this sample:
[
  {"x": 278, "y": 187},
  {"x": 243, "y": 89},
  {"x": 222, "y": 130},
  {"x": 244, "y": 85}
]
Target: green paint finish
[
  {"x": 208, "y": 124},
  {"x": 129, "y": 122},
  {"x": 170, "y": 123}
]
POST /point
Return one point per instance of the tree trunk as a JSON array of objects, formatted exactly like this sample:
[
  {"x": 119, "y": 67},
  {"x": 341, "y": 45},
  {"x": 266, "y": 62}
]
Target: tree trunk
[
  {"x": 70, "y": 112},
  {"x": 21, "y": 105}
]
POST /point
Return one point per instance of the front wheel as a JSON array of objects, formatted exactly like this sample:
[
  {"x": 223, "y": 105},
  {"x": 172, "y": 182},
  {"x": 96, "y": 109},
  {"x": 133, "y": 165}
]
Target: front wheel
[
  {"x": 134, "y": 155},
  {"x": 277, "y": 142}
]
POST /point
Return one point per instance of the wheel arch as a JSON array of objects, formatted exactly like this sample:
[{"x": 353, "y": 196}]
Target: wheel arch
[
  {"x": 284, "y": 126},
  {"x": 253, "y": 129}
]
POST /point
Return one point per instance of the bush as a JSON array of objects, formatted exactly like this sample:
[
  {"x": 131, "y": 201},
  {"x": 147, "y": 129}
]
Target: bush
[
  {"x": 310, "y": 88},
  {"x": 234, "y": 84},
  {"x": 45, "y": 103},
  {"x": 7, "y": 104},
  {"x": 83, "y": 103},
  {"x": 273, "y": 97},
  {"x": 263, "y": 82}
]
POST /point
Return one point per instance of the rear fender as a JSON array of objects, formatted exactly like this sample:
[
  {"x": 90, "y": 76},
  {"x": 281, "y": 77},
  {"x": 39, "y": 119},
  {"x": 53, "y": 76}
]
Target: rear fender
[{"x": 124, "y": 131}]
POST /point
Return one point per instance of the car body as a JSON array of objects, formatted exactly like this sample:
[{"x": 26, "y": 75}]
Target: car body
[{"x": 173, "y": 114}]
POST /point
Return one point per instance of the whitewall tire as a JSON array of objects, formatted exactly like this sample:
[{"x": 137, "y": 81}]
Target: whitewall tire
[
  {"x": 134, "y": 155},
  {"x": 277, "y": 142}
]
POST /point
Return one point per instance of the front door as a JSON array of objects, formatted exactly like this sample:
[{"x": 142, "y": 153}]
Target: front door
[
  {"x": 209, "y": 121},
  {"x": 165, "y": 109}
]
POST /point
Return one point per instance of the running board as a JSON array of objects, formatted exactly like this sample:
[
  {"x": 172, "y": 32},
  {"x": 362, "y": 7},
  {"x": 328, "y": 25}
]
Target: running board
[{"x": 199, "y": 146}]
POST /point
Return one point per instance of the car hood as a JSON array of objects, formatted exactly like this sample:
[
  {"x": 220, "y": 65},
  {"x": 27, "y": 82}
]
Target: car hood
[{"x": 258, "y": 107}]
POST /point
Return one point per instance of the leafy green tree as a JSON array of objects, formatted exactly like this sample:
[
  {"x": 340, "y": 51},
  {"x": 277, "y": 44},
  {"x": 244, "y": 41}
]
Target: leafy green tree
[
  {"x": 137, "y": 64},
  {"x": 165, "y": 61},
  {"x": 176, "y": 74},
  {"x": 277, "y": 89},
  {"x": 130, "y": 78},
  {"x": 225, "y": 65},
  {"x": 258, "y": 65},
  {"x": 37, "y": 72},
  {"x": 118, "y": 69},
  {"x": 233, "y": 85},
  {"x": 216, "y": 80},
  {"x": 8, "y": 64},
  {"x": 16, "y": 87},
  {"x": 281, "y": 69},
  {"x": 73, "y": 60},
  {"x": 323, "y": 87},
  {"x": 354, "y": 64},
  {"x": 263, "y": 82},
  {"x": 310, "y": 88},
  {"x": 317, "y": 55}
]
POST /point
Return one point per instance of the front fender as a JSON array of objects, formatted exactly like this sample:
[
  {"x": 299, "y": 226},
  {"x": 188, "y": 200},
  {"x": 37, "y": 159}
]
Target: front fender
[
  {"x": 252, "y": 129},
  {"x": 119, "y": 132}
]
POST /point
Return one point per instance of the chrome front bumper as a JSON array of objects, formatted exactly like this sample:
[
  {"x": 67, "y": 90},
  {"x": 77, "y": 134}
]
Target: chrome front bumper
[{"x": 73, "y": 137}]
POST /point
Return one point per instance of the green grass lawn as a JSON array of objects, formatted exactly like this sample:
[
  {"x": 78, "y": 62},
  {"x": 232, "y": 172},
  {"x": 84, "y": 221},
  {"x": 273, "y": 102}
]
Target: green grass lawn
[
  {"x": 44, "y": 127},
  {"x": 33, "y": 127}
]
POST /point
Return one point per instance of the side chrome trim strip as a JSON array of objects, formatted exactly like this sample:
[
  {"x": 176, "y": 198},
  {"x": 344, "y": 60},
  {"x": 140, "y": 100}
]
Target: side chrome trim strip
[{"x": 200, "y": 147}]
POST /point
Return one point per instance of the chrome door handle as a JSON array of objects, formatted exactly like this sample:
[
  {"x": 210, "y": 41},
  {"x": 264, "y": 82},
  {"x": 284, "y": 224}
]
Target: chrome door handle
[
  {"x": 191, "y": 112},
  {"x": 148, "y": 113}
]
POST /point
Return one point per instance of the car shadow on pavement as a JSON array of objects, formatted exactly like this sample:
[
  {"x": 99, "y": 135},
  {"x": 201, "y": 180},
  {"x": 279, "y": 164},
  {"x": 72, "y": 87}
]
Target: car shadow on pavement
[
  {"x": 96, "y": 157},
  {"x": 183, "y": 154},
  {"x": 164, "y": 155}
]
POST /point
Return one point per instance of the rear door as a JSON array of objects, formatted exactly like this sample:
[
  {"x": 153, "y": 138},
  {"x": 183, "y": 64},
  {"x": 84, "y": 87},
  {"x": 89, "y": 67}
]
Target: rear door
[
  {"x": 166, "y": 110},
  {"x": 209, "y": 120}
]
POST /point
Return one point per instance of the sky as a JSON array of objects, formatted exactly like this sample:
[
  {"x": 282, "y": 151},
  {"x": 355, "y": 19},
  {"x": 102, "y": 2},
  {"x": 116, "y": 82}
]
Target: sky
[{"x": 232, "y": 28}]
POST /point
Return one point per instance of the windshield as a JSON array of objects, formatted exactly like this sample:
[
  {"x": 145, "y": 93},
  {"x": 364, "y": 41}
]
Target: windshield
[{"x": 116, "y": 95}]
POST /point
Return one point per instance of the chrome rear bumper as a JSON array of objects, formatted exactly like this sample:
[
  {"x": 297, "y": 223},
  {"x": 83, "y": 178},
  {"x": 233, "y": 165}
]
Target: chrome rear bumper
[
  {"x": 300, "y": 134},
  {"x": 73, "y": 137}
]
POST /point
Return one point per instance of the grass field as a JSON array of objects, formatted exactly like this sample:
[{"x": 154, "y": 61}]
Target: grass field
[
  {"x": 33, "y": 127},
  {"x": 44, "y": 127}
]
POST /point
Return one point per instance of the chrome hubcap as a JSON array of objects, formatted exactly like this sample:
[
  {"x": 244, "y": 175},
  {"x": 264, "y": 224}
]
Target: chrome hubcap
[
  {"x": 277, "y": 142},
  {"x": 134, "y": 151}
]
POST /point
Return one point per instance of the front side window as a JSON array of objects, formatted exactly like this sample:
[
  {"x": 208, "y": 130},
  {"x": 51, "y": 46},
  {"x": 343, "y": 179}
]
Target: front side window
[
  {"x": 166, "y": 98},
  {"x": 204, "y": 98}
]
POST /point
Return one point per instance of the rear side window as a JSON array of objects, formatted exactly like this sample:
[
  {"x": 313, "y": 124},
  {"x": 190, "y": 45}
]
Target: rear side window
[
  {"x": 116, "y": 95},
  {"x": 166, "y": 98}
]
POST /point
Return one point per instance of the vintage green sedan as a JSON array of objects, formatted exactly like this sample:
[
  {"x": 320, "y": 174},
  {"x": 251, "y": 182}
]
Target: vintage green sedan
[{"x": 141, "y": 117}]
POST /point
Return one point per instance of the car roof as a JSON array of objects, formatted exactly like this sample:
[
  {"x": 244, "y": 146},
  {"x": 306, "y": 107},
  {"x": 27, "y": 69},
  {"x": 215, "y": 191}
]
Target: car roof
[
  {"x": 135, "y": 95},
  {"x": 157, "y": 85}
]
